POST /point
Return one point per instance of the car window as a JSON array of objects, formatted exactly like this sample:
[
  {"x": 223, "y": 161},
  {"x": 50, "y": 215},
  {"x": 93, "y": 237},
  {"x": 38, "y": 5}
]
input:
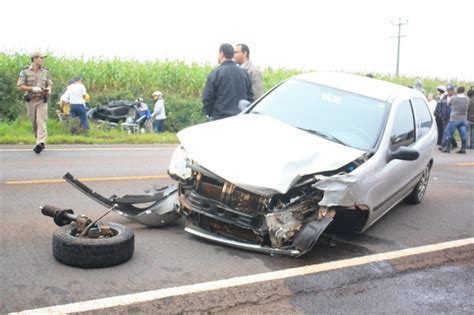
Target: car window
[
  {"x": 423, "y": 116},
  {"x": 355, "y": 120},
  {"x": 403, "y": 131}
]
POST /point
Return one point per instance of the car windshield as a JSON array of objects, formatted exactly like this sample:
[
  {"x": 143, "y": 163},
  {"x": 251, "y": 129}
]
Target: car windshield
[{"x": 340, "y": 116}]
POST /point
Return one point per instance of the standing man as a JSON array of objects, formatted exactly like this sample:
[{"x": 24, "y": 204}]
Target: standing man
[
  {"x": 75, "y": 97},
  {"x": 35, "y": 81},
  {"x": 441, "y": 114},
  {"x": 226, "y": 85},
  {"x": 242, "y": 58},
  {"x": 159, "y": 113},
  {"x": 457, "y": 119}
]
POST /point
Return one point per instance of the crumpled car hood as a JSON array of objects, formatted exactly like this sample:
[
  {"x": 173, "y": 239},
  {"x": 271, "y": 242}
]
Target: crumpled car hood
[{"x": 261, "y": 154}]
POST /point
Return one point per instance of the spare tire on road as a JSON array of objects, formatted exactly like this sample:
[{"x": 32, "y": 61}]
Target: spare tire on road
[{"x": 93, "y": 252}]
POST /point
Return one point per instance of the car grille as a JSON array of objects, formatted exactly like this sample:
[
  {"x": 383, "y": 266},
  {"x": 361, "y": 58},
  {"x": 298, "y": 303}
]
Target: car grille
[
  {"x": 228, "y": 230},
  {"x": 230, "y": 195}
]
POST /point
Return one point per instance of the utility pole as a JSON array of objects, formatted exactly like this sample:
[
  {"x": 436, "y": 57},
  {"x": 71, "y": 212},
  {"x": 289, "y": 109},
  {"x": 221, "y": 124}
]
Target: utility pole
[{"x": 399, "y": 23}]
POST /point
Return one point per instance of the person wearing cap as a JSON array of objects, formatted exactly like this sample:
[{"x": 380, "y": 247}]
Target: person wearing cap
[
  {"x": 441, "y": 113},
  {"x": 74, "y": 96},
  {"x": 36, "y": 82},
  {"x": 242, "y": 58},
  {"x": 159, "y": 114},
  {"x": 145, "y": 115},
  {"x": 450, "y": 90}
]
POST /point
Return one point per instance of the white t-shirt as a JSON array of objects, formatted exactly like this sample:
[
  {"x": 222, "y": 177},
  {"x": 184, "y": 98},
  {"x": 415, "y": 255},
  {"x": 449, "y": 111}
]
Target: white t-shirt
[
  {"x": 74, "y": 94},
  {"x": 159, "y": 111}
]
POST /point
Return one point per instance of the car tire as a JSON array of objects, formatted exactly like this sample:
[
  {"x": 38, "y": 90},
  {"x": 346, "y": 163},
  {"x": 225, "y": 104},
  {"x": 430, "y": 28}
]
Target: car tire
[
  {"x": 93, "y": 253},
  {"x": 416, "y": 196}
]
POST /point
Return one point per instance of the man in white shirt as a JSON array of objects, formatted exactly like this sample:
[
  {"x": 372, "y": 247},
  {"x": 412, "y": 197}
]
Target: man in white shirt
[
  {"x": 74, "y": 96},
  {"x": 159, "y": 114}
]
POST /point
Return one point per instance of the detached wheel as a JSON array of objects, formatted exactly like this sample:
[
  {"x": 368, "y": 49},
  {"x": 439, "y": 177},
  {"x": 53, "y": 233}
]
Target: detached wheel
[
  {"x": 416, "y": 196},
  {"x": 93, "y": 253}
]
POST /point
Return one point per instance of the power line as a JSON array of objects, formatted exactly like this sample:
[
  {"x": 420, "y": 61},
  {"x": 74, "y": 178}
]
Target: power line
[{"x": 399, "y": 23}]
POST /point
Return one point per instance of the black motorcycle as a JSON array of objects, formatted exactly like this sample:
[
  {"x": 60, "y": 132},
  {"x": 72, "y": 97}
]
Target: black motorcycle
[{"x": 115, "y": 112}]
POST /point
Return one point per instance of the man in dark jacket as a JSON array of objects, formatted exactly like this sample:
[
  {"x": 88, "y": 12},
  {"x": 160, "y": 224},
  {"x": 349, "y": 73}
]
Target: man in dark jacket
[
  {"x": 226, "y": 85},
  {"x": 441, "y": 113}
]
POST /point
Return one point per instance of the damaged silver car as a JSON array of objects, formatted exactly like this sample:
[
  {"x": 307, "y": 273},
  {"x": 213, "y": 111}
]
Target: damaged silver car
[{"x": 319, "y": 152}]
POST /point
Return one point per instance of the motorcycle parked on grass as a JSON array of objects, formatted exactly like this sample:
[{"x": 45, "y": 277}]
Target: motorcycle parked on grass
[
  {"x": 120, "y": 112},
  {"x": 114, "y": 112}
]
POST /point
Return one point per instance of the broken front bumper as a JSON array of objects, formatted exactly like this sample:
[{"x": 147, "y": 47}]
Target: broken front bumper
[
  {"x": 194, "y": 230},
  {"x": 280, "y": 232},
  {"x": 156, "y": 208}
]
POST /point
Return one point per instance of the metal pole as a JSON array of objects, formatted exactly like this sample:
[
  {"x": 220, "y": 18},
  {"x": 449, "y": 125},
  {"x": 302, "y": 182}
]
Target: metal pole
[
  {"x": 399, "y": 24},
  {"x": 398, "y": 50}
]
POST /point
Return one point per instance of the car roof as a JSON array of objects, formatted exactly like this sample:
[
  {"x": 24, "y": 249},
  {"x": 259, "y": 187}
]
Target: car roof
[{"x": 374, "y": 88}]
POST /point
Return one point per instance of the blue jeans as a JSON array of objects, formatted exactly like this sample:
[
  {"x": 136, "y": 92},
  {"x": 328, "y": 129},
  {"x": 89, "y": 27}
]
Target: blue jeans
[
  {"x": 159, "y": 125},
  {"x": 460, "y": 125},
  {"x": 80, "y": 110}
]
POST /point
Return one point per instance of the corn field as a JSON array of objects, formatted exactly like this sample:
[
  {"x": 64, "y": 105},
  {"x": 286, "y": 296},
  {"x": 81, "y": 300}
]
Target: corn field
[{"x": 181, "y": 84}]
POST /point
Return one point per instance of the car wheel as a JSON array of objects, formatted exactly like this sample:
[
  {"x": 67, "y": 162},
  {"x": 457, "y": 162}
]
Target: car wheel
[
  {"x": 93, "y": 252},
  {"x": 416, "y": 196}
]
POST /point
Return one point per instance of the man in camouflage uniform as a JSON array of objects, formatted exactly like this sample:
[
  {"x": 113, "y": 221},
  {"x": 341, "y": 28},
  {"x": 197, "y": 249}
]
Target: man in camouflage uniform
[{"x": 35, "y": 81}]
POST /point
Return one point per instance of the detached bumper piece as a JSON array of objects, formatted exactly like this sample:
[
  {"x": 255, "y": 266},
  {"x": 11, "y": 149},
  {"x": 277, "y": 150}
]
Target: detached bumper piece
[
  {"x": 158, "y": 208},
  {"x": 192, "y": 229}
]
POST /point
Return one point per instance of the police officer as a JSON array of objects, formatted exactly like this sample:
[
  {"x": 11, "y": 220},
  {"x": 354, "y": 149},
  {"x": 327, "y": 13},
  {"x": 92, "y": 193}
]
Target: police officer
[{"x": 35, "y": 81}]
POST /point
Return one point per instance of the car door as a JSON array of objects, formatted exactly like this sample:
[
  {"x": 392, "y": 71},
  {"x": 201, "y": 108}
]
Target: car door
[
  {"x": 396, "y": 177},
  {"x": 425, "y": 131}
]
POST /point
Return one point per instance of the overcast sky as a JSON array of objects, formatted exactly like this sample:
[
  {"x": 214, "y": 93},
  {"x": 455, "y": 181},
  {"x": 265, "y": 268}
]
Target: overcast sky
[{"x": 307, "y": 34}]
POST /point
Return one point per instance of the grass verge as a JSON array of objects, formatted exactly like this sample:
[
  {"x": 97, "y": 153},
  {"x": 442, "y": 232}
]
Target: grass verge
[{"x": 19, "y": 132}]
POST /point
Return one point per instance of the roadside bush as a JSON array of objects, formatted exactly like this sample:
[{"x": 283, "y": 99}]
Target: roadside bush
[{"x": 181, "y": 113}]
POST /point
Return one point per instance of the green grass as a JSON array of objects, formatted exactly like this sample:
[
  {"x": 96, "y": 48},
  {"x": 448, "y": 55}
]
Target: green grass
[{"x": 19, "y": 132}]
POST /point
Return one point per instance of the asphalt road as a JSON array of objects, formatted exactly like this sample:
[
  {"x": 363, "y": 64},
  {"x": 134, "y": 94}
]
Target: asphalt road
[{"x": 169, "y": 257}]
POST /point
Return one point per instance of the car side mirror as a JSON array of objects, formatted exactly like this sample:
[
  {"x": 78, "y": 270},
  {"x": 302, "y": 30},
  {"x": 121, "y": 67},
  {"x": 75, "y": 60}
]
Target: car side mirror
[
  {"x": 404, "y": 154},
  {"x": 243, "y": 104}
]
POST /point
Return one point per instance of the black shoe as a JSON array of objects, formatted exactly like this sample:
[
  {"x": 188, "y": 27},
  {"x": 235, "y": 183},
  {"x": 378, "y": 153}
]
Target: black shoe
[
  {"x": 39, "y": 147},
  {"x": 462, "y": 151}
]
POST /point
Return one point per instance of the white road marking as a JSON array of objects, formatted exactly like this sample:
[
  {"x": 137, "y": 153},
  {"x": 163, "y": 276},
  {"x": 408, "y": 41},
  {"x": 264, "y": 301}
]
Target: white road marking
[
  {"x": 91, "y": 149},
  {"x": 148, "y": 296}
]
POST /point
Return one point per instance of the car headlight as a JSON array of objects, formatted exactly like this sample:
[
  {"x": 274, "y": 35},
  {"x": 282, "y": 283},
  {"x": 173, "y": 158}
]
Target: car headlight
[{"x": 179, "y": 164}]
